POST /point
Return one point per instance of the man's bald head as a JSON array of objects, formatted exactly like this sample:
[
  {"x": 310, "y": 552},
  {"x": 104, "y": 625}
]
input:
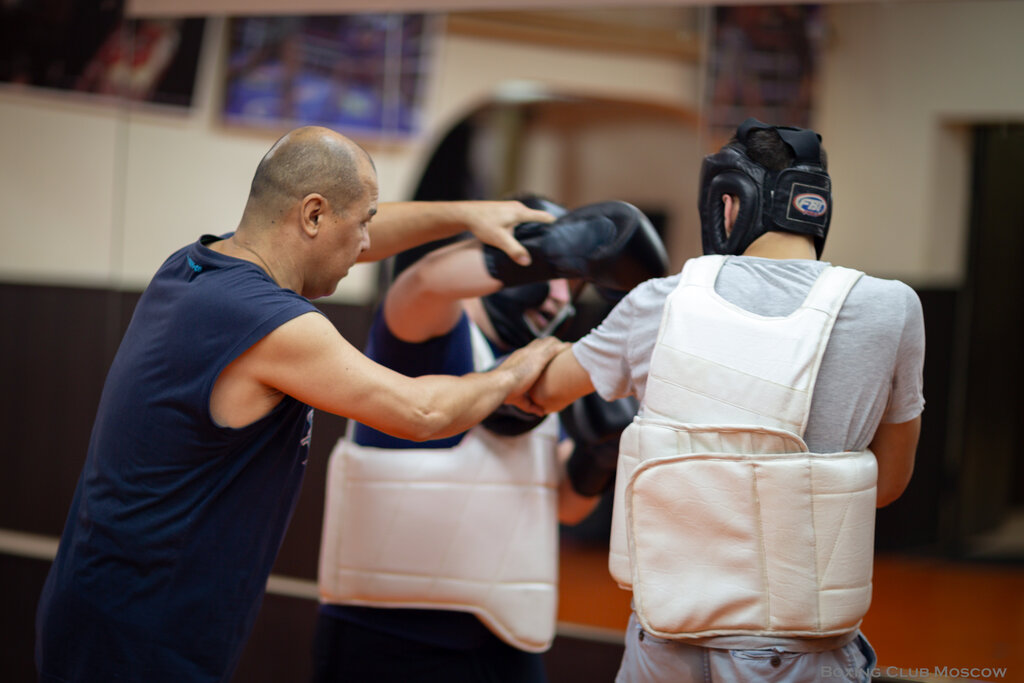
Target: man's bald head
[{"x": 307, "y": 160}]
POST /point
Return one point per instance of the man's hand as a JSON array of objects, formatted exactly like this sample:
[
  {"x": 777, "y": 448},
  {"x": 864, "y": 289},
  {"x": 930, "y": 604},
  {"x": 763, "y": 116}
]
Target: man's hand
[
  {"x": 561, "y": 382},
  {"x": 492, "y": 222},
  {"x": 525, "y": 366}
]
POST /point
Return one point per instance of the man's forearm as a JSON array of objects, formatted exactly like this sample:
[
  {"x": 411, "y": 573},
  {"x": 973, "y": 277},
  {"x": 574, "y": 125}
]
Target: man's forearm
[
  {"x": 403, "y": 225},
  {"x": 450, "y": 405},
  {"x": 454, "y": 404}
]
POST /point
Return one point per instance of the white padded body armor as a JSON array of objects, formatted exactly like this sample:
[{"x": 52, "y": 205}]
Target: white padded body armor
[
  {"x": 723, "y": 523},
  {"x": 473, "y": 528}
]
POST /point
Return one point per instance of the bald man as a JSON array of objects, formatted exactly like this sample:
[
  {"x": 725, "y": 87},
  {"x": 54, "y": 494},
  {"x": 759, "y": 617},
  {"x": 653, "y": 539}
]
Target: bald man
[{"x": 203, "y": 429}]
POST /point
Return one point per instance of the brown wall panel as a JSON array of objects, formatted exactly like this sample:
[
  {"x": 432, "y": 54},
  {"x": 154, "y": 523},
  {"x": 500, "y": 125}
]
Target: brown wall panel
[{"x": 54, "y": 355}]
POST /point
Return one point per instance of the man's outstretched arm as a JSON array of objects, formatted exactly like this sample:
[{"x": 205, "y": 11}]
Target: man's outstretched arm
[
  {"x": 403, "y": 225},
  {"x": 308, "y": 359}
]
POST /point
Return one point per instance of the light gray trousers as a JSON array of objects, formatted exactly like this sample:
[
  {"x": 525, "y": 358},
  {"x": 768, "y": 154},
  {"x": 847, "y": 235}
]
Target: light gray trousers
[{"x": 649, "y": 659}]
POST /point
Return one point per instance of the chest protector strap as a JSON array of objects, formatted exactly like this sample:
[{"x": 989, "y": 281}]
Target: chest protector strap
[
  {"x": 724, "y": 523},
  {"x": 473, "y": 528}
]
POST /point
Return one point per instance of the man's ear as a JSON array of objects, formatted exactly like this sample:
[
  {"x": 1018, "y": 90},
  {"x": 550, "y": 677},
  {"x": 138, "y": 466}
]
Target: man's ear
[
  {"x": 731, "y": 205},
  {"x": 314, "y": 206}
]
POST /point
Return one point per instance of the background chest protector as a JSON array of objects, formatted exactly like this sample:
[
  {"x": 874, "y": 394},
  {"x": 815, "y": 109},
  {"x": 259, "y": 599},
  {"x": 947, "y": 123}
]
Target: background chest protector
[
  {"x": 724, "y": 523},
  {"x": 473, "y": 528}
]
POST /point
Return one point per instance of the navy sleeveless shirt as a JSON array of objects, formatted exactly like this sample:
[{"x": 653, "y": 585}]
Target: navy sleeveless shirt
[{"x": 176, "y": 521}]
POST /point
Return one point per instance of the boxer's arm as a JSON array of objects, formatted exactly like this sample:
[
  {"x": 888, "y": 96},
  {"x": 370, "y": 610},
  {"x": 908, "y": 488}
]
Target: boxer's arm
[
  {"x": 894, "y": 446},
  {"x": 425, "y": 299},
  {"x": 308, "y": 359},
  {"x": 563, "y": 381},
  {"x": 398, "y": 226}
]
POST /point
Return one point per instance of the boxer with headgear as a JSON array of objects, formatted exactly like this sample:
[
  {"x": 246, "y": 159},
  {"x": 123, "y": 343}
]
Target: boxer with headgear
[
  {"x": 796, "y": 198},
  {"x": 447, "y": 550},
  {"x": 611, "y": 245},
  {"x": 767, "y": 431}
]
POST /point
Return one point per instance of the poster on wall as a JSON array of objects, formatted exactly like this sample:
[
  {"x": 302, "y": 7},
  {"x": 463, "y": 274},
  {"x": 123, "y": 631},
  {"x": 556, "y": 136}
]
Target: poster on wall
[
  {"x": 762, "y": 63},
  {"x": 85, "y": 46},
  {"x": 359, "y": 74}
]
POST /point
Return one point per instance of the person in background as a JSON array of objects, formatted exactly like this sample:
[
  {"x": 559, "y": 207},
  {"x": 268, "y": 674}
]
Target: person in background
[{"x": 439, "y": 560}]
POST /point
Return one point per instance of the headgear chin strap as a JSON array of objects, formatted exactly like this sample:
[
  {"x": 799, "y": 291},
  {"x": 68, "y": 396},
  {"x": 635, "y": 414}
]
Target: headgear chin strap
[{"x": 796, "y": 199}]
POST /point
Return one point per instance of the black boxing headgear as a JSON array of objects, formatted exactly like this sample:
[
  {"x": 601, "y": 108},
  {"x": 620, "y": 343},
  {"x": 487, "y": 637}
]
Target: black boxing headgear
[
  {"x": 507, "y": 308},
  {"x": 794, "y": 199}
]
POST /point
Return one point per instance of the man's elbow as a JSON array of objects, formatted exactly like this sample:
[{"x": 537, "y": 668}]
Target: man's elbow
[
  {"x": 410, "y": 422},
  {"x": 427, "y": 425},
  {"x": 895, "y": 448},
  {"x": 888, "y": 495},
  {"x": 891, "y": 488}
]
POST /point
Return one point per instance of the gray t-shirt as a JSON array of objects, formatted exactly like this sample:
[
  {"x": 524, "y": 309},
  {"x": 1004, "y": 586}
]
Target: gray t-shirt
[{"x": 871, "y": 371}]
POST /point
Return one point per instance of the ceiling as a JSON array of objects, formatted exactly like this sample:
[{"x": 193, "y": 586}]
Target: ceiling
[{"x": 179, "y": 8}]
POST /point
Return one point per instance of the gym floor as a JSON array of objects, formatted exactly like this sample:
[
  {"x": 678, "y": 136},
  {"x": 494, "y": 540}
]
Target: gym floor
[{"x": 931, "y": 620}]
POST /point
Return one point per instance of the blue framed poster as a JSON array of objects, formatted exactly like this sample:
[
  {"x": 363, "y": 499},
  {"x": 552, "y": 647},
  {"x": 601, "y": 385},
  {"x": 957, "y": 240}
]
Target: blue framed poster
[{"x": 360, "y": 73}]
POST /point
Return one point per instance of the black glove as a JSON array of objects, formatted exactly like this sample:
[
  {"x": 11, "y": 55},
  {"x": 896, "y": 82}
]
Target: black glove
[
  {"x": 537, "y": 201},
  {"x": 595, "y": 425},
  {"x": 611, "y": 244},
  {"x": 507, "y": 420}
]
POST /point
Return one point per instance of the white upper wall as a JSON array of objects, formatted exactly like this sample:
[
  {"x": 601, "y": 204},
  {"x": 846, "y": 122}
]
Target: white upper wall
[
  {"x": 121, "y": 188},
  {"x": 57, "y": 198},
  {"x": 95, "y": 194},
  {"x": 900, "y": 87}
]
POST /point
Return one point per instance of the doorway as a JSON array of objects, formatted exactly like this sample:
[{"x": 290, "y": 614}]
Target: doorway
[{"x": 989, "y": 469}]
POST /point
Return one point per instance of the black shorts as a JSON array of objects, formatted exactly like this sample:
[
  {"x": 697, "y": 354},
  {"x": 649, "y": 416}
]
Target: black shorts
[{"x": 345, "y": 652}]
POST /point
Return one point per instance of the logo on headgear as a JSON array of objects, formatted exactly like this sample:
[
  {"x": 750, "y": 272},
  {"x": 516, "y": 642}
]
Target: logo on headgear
[{"x": 810, "y": 204}]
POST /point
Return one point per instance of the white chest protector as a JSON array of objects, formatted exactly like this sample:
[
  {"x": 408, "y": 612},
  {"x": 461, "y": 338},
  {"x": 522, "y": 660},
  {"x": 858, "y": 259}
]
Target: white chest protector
[
  {"x": 473, "y": 528},
  {"x": 724, "y": 523}
]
